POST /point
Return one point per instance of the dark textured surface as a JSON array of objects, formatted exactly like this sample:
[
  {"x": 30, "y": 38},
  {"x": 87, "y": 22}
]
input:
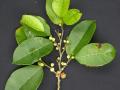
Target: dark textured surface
[{"x": 107, "y": 15}]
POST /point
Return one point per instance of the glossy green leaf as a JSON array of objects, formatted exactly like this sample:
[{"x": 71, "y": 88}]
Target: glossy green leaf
[
  {"x": 29, "y": 51},
  {"x": 96, "y": 54},
  {"x": 26, "y": 78},
  {"x": 20, "y": 35},
  {"x": 46, "y": 27},
  {"x": 80, "y": 36},
  {"x": 24, "y": 32},
  {"x": 72, "y": 17},
  {"x": 51, "y": 14},
  {"x": 32, "y": 22},
  {"x": 38, "y": 33},
  {"x": 60, "y": 7}
]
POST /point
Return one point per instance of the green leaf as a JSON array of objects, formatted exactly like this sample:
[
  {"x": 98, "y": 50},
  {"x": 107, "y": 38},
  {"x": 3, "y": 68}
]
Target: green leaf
[
  {"x": 20, "y": 35},
  {"x": 32, "y": 22},
  {"x": 96, "y": 54},
  {"x": 60, "y": 7},
  {"x": 24, "y": 32},
  {"x": 51, "y": 14},
  {"x": 46, "y": 27},
  {"x": 26, "y": 78},
  {"x": 80, "y": 36},
  {"x": 29, "y": 51},
  {"x": 72, "y": 17}
]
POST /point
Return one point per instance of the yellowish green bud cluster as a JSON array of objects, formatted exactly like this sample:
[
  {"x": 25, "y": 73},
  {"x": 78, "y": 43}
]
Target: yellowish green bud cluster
[
  {"x": 66, "y": 41},
  {"x": 41, "y": 64},
  {"x": 52, "y": 69},
  {"x": 63, "y": 63},
  {"x": 52, "y": 39},
  {"x": 70, "y": 57}
]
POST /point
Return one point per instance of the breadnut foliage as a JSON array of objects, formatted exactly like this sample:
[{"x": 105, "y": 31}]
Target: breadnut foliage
[{"x": 35, "y": 41}]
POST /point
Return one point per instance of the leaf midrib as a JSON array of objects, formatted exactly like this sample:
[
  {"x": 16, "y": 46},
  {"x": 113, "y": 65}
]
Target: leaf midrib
[
  {"x": 32, "y": 52},
  {"x": 29, "y": 78}
]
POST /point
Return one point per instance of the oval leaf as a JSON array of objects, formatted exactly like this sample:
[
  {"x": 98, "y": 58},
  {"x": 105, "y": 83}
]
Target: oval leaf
[
  {"x": 32, "y": 22},
  {"x": 29, "y": 51},
  {"x": 72, "y": 17},
  {"x": 46, "y": 27},
  {"x": 60, "y": 7},
  {"x": 20, "y": 35},
  {"x": 26, "y": 78},
  {"x": 80, "y": 36},
  {"x": 96, "y": 54},
  {"x": 51, "y": 14},
  {"x": 24, "y": 32}
]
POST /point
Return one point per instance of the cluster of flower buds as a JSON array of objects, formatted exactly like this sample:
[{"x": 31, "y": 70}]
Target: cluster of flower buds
[
  {"x": 52, "y": 39},
  {"x": 70, "y": 57},
  {"x": 66, "y": 41},
  {"x": 63, "y": 64},
  {"x": 61, "y": 74},
  {"x": 52, "y": 69},
  {"x": 41, "y": 64},
  {"x": 59, "y": 34}
]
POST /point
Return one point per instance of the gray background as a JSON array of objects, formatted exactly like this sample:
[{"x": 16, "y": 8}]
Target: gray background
[{"x": 107, "y": 15}]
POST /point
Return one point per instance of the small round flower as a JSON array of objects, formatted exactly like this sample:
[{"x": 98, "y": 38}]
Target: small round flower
[
  {"x": 67, "y": 42},
  {"x": 63, "y": 63},
  {"x": 58, "y": 43},
  {"x": 59, "y": 34},
  {"x": 52, "y": 69},
  {"x": 50, "y": 38},
  {"x": 60, "y": 24},
  {"x": 63, "y": 75},
  {"x": 58, "y": 58},
  {"x": 63, "y": 48},
  {"x": 72, "y": 57},
  {"x": 52, "y": 64},
  {"x": 53, "y": 39},
  {"x": 68, "y": 56},
  {"x": 55, "y": 44},
  {"x": 64, "y": 41},
  {"x": 41, "y": 64},
  {"x": 57, "y": 48}
]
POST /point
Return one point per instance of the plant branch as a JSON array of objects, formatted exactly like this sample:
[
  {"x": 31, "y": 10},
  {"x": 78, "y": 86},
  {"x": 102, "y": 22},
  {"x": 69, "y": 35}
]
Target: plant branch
[{"x": 61, "y": 49}]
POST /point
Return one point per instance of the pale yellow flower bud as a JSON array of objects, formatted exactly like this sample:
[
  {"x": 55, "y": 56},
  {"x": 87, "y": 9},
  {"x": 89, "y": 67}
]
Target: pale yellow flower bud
[
  {"x": 67, "y": 42},
  {"x": 52, "y": 69},
  {"x": 64, "y": 41},
  {"x": 50, "y": 38},
  {"x": 52, "y": 64},
  {"x": 59, "y": 34},
  {"x": 53, "y": 39},
  {"x": 41, "y": 64},
  {"x": 57, "y": 48},
  {"x": 55, "y": 44},
  {"x": 63, "y": 63},
  {"x": 72, "y": 57},
  {"x": 68, "y": 56}
]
